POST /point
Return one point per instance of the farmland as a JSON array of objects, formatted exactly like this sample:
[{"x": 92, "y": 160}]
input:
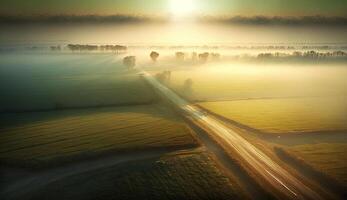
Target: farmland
[
  {"x": 329, "y": 158},
  {"x": 55, "y": 81},
  {"x": 283, "y": 116},
  {"x": 40, "y": 138},
  {"x": 307, "y": 99},
  {"x": 303, "y": 108},
  {"x": 187, "y": 175},
  {"x": 65, "y": 113},
  {"x": 64, "y": 108},
  {"x": 225, "y": 81}
]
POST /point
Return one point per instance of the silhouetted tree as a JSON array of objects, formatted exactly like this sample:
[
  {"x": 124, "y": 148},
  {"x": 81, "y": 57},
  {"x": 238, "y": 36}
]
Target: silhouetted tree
[
  {"x": 215, "y": 56},
  {"x": 80, "y": 47},
  {"x": 265, "y": 55},
  {"x": 129, "y": 62},
  {"x": 164, "y": 77},
  {"x": 119, "y": 49},
  {"x": 297, "y": 54},
  {"x": 180, "y": 56},
  {"x": 154, "y": 56},
  {"x": 194, "y": 56},
  {"x": 188, "y": 87},
  {"x": 55, "y": 48},
  {"x": 204, "y": 56}
]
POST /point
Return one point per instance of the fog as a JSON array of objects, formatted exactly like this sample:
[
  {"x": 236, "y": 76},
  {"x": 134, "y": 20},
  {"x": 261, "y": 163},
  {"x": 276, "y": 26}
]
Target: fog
[{"x": 43, "y": 79}]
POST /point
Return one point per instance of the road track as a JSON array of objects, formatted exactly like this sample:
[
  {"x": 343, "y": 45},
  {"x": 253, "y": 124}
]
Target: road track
[{"x": 281, "y": 182}]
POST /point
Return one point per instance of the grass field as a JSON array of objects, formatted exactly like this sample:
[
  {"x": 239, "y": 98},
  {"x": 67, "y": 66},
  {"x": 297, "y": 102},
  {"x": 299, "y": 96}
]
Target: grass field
[
  {"x": 329, "y": 158},
  {"x": 54, "y": 81},
  {"x": 187, "y": 176},
  {"x": 241, "y": 81},
  {"x": 39, "y": 138},
  {"x": 285, "y": 115}
]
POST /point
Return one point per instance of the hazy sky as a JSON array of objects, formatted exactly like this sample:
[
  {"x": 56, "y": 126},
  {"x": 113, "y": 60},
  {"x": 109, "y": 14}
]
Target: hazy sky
[{"x": 162, "y": 7}]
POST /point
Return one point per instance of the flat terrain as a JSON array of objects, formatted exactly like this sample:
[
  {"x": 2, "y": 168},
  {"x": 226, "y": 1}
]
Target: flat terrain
[
  {"x": 291, "y": 115},
  {"x": 304, "y": 105},
  {"x": 55, "y": 81},
  {"x": 281, "y": 183},
  {"x": 44, "y": 137},
  {"x": 124, "y": 123},
  {"x": 189, "y": 175},
  {"x": 227, "y": 81},
  {"x": 329, "y": 158}
]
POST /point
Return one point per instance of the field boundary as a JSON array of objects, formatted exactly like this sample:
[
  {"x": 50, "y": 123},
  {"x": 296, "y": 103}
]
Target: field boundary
[
  {"x": 62, "y": 107},
  {"x": 264, "y": 98},
  {"x": 85, "y": 156},
  {"x": 228, "y": 163},
  {"x": 312, "y": 173},
  {"x": 224, "y": 159},
  {"x": 264, "y": 134},
  {"x": 39, "y": 179}
]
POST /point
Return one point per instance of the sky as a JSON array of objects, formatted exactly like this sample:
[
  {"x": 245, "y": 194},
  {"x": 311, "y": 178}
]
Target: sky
[
  {"x": 165, "y": 7},
  {"x": 228, "y": 21}
]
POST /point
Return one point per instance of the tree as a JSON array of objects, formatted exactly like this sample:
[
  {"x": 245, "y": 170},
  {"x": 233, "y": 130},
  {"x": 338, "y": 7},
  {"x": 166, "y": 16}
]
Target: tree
[
  {"x": 154, "y": 56},
  {"x": 180, "y": 56},
  {"x": 119, "y": 49},
  {"x": 188, "y": 86},
  {"x": 129, "y": 62},
  {"x": 204, "y": 56},
  {"x": 215, "y": 56},
  {"x": 164, "y": 77},
  {"x": 194, "y": 56}
]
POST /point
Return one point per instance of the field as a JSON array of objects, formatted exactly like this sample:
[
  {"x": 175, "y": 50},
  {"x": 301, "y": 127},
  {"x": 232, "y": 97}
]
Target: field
[
  {"x": 254, "y": 81},
  {"x": 285, "y": 115},
  {"x": 55, "y": 81},
  {"x": 191, "y": 175},
  {"x": 329, "y": 158},
  {"x": 40, "y": 138},
  {"x": 281, "y": 101},
  {"x": 274, "y": 98}
]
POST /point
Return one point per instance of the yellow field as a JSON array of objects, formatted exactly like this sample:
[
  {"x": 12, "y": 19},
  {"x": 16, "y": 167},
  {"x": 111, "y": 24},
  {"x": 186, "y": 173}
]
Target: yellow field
[
  {"x": 234, "y": 82},
  {"x": 188, "y": 176},
  {"x": 42, "y": 137},
  {"x": 285, "y": 115},
  {"x": 329, "y": 158}
]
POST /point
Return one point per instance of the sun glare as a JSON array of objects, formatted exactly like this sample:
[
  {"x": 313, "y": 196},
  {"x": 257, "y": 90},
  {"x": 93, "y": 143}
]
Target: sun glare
[{"x": 182, "y": 8}]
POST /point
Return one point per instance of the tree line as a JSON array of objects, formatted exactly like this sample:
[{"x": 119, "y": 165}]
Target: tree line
[
  {"x": 306, "y": 54},
  {"x": 88, "y": 47}
]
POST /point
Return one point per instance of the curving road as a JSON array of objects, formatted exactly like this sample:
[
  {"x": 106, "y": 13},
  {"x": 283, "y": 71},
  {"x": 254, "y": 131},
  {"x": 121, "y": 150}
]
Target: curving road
[{"x": 284, "y": 184}]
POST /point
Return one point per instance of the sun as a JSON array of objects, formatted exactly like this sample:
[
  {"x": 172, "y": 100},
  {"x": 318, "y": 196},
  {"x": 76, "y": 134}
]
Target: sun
[{"x": 182, "y": 8}]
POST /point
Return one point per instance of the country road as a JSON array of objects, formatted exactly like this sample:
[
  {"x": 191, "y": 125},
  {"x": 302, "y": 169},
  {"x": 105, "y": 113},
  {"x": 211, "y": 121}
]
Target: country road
[{"x": 275, "y": 177}]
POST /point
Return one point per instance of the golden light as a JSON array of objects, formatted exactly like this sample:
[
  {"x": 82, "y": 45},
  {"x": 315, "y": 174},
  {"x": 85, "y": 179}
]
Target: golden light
[{"x": 182, "y": 8}]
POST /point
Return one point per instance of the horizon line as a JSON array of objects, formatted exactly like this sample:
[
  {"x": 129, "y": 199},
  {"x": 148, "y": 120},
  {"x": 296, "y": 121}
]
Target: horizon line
[{"x": 121, "y": 18}]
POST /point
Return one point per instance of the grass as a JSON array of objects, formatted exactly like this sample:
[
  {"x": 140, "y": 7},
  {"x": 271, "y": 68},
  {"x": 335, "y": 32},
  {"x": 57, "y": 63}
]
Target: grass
[
  {"x": 186, "y": 176},
  {"x": 329, "y": 158},
  {"x": 240, "y": 81},
  {"x": 285, "y": 115},
  {"x": 55, "y": 81},
  {"x": 44, "y": 137}
]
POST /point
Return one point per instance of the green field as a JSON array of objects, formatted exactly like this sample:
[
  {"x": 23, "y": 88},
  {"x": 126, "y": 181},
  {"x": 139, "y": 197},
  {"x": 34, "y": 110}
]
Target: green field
[
  {"x": 55, "y": 81},
  {"x": 329, "y": 158},
  {"x": 36, "y": 138},
  {"x": 285, "y": 115},
  {"x": 186, "y": 176}
]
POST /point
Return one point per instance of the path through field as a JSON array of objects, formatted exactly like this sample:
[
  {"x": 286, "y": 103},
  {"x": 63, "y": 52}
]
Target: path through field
[
  {"x": 277, "y": 179},
  {"x": 19, "y": 188}
]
